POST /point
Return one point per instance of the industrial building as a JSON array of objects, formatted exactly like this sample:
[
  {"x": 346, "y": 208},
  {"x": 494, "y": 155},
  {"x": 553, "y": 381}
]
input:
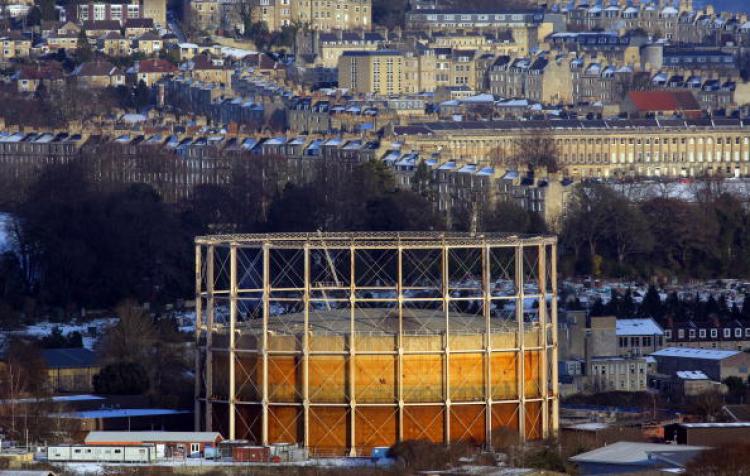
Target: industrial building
[
  {"x": 715, "y": 364},
  {"x": 707, "y": 434},
  {"x": 342, "y": 342}
]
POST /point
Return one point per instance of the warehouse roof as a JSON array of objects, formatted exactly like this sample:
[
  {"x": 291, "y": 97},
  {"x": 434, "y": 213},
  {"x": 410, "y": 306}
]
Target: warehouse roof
[
  {"x": 69, "y": 358},
  {"x": 119, "y": 413},
  {"x": 631, "y": 453},
  {"x": 688, "y": 353},
  {"x": 638, "y": 327},
  {"x": 98, "y": 437}
]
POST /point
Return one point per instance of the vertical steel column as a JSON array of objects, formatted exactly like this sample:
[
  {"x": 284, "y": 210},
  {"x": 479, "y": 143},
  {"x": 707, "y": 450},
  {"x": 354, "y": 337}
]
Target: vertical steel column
[
  {"x": 306, "y": 353},
  {"x": 446, "y": 344},
  {"x": 232, "y": 337},
  {"x": 400, "y": 341},
  {"x": 521, "y": 355},
  {"x": 266, "y": 312},
  {"x": 352, "y": 328},
  {"x": 209, "y": 337},
  {"x": 544, "y": 361},
  {"x": 553, "y": 309},
  {"x": 486, "y": 283},
  {"x": 198, "y": 324}
]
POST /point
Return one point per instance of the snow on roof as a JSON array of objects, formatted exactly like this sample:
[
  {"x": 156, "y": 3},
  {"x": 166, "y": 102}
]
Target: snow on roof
[
  {"x": 132, "y": 118},
  {"x": 151, "y": 436},
  {"x": 638, "y": 327},
  {"x": 480, "y": 98},
  {"x": 590, "y": 426},
  {"x": 392, "y": 156},
  {"x": 738, "y": 424},
  {"x": 237, "y": 53},
  {"x": 276, "y": 141},
  {"x": 486, "y": 171},
  {"x": 249, "y": 143},
  {"x": 17, "y": 137},
  {"x": 691, "y": 375},
  {"x": 353, "y": 145},
  {"x": 630, "y": 453},
  {"x": 688, "y": 353}
]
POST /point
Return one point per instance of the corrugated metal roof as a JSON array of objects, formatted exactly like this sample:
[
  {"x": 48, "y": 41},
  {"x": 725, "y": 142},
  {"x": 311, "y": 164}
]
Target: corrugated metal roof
[{"x": 688, "y": 353}]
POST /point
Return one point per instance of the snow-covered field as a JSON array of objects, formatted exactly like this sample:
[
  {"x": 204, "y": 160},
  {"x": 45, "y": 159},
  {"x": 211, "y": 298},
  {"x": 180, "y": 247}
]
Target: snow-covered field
[
  {"x": 42, "y": 329},
  {"x": 95, "y": 469}
]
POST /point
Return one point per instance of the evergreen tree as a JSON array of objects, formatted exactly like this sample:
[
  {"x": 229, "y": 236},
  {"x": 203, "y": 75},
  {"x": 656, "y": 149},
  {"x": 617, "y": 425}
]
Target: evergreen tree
[
  {"x": 598, "y": 308},
  {"x": 47, "y": 10},
  {"x": 84, "y": 52},
  {"x": 651, "y": 305},
  {"x": 34, "y": 18},
  {"x": 141, "y": 95},
  {"x": 627, "y": 308},
  {"x": 745, "y": 313}
]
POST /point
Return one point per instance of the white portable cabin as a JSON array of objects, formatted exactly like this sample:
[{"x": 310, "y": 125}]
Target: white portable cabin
[{"x": 113, "y": 453}]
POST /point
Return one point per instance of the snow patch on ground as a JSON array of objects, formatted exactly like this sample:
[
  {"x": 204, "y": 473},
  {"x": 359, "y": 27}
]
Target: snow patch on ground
[
  {"x": 95, "y": 469},
  {"x": 43, "y": 329}
]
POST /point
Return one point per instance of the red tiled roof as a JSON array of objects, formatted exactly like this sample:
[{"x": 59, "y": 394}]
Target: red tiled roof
[
  {"x": 203, "y": 62},
  {"x": 156, "y": 66},
  {"x": 98, "y": 68},
  {"x": 49, "y": 71},
  {"x": 664, "y": 101}
]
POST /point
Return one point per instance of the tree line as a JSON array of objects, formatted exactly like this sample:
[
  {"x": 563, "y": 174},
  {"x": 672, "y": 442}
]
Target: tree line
[
  {"x": 78, "y": 242},
  {"x": 607, "y": 234}
]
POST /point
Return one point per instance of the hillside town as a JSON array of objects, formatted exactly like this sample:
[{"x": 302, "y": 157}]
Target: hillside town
[{"x": 377, "y": 236}]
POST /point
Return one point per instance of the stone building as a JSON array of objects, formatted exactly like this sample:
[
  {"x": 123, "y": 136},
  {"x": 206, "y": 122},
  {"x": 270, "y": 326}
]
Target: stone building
[
  {"x": 371, "y": 72},
  {"x": 596, "y": 148}
]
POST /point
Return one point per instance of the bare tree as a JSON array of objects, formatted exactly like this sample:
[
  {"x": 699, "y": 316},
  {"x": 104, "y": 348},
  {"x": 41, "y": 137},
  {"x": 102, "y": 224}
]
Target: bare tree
[
  {"x": 534, "y": 151},
  {"x": 132, "y": 339},
  {"x": 22, "y": 374}
]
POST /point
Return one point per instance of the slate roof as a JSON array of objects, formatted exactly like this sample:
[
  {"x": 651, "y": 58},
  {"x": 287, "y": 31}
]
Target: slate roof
[{"x": 69, "y": 358}]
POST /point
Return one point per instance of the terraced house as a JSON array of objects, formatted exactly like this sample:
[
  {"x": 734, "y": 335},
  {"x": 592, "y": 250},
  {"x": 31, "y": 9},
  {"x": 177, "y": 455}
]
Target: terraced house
[{"x": 596, "y": 148}]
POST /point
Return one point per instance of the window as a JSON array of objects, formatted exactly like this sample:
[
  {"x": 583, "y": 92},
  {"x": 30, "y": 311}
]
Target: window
[
  {"x": 668, "y": 333},
  {"x": 727, "y": 333},
  {"x": 691, "y": 333},
  {"x": 702, "y": 333},
  {"x": 195, "y": 447},
  {"x": 680, "y": 333},
  {"x": 738, "y": 332},
  {"x": 714, "y": 333}
]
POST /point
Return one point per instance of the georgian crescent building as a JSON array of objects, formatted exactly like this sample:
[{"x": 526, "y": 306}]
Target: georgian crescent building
[{"x": 595, "y": 148}]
